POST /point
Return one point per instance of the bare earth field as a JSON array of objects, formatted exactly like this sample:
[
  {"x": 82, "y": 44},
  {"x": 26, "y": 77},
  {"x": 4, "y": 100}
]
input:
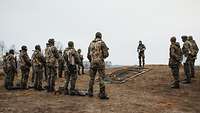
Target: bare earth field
[{"x": 147, "y": 93}]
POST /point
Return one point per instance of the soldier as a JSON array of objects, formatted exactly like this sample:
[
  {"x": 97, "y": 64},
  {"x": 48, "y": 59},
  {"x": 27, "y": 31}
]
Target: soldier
[
  {"x": 25, "y": 64},
  {"x": 45, "y": 67},
  {"x": 175, "y": 61},
  {"x": 11, "y": 69},
  {"x": 5, "y": 62},
  {"x": 33, "y": 71},
  {"x": 60, "y": 64},
  {"x": 187, "y": 57},
  {"x": 81, "y": 66},
  {"x": 51, "y": 56},
  {"x": 141, "y": 48},
  {"x": 71, "y": 61},
  {"x": 194, "y": 55},
  {"x": 97, "y": 52},
  {"x": 38, "y": 64}
]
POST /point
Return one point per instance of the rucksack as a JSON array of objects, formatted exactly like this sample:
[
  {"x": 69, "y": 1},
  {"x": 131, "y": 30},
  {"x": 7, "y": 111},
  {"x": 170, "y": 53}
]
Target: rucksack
[
  {"x": 97, "y": 51},
  {"x": 49, "y": 55}
]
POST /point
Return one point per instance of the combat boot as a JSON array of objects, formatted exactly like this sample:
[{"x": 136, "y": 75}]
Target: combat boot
[
  {"x": 66, "y": 92},
  {"x": 186, "y": 81},
  {"x": 72, "y": 93},
  {"x": 192, "y": 76},
  {"x": 90, "y": 92},
  {"x": 175, "y": 85},
  {"x": 103, "y": 96}
]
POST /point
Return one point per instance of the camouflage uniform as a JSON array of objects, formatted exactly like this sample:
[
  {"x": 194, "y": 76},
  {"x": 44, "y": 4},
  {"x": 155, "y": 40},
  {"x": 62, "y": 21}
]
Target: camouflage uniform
[
  {"x": 175, "y": 61},
  {"x": 25, "y": 64},
  {"x": 33, "y": 71},
  {"x": 10, "y": 70},
  {"x": 194, "y": 55},
  {"x": 5, "y": 62},
  {"x": 38, "y": 64},
  {"x": 97, "y": 52},
  {"x": 51, "y": 60},
  {"x": 187, "y": 49},
  {"x": 60, "y": 64},
  {"x": 45, "y": 67},
  {"x": 81, "y": 64},
  {"x": 71, "y": 61},
  {"x": 141, "y": 48}
]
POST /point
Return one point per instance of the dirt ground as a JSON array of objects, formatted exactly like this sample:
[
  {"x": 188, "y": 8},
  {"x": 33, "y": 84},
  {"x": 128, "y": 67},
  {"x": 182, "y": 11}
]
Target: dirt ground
[{"x": 147, "y": 93}]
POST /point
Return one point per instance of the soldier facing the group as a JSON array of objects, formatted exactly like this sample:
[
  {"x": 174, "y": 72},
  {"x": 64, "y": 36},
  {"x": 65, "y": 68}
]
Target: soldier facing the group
[{"x": 141, "y": 56}]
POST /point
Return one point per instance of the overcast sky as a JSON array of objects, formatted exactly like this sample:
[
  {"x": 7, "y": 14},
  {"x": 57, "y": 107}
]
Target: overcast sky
[{"x": 122, "y": 22}]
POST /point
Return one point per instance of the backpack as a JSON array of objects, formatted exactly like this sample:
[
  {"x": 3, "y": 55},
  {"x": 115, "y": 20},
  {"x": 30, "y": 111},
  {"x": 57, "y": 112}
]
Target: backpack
[
  {"x": 49, "y": 55},
  {"x": 98, "y": 52},
  {"x": 72, "y": 56}
]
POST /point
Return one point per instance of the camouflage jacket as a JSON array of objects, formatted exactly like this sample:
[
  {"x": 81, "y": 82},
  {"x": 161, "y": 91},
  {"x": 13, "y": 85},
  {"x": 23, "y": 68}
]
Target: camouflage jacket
[
  {"x": 51, "y": 55},
  {"x": 187, "y": 48},
  {"x": 24, "y": 60},
  {"x": 97, "y": 52},
  {"x": 10, "y": 63},
  {"x": 194, "y": 47},
  {"x": 38, "y": 58},
  {"x": 175, "y": 55}
]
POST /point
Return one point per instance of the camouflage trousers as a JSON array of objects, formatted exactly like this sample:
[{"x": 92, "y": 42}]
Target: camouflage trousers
[
  {"x": 141, "y": 58},
  {"x": 175, "y": 72},
  {"x": 81, "y": 68},
  {"x": 70, "y": 76},
  {"x": 192, "y": 68},
  {"x": 93, "y": 72},
  {"x": 24, "y": 78},
  {"x": 60, "y": 71},
  {"x": 33, "y": 74},
  {"x": 187, "y": 71},
  {"x": 51, "y": 72},
  {"x": 9, "y": 79},
  {"x": 38, "y": 72}
]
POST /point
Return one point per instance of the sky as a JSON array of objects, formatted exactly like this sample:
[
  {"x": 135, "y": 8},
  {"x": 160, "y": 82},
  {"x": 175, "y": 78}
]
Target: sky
[{"x": 122, "y": 23}]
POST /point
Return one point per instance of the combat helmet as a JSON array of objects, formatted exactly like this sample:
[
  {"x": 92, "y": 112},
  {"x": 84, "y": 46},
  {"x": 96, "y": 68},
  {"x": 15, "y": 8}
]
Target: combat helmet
[
  {"x": 37, "y": 47},
  {"x": 98, "y": 35},
  {"x": 71, "y": 44},
  {"x": 173, "y": 39},
  {"x": 24, "y": 48}
]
